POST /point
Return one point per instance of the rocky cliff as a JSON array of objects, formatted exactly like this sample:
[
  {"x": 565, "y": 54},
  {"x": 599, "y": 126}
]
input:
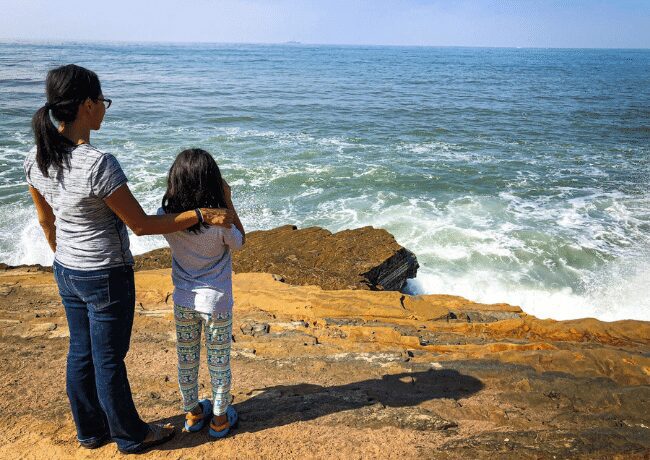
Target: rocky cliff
[{"x": 321, "y": 373}]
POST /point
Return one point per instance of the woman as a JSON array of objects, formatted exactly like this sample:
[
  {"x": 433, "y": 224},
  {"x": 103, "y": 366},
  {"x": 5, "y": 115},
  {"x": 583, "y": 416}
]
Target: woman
[{"x": 83, "y": 203}]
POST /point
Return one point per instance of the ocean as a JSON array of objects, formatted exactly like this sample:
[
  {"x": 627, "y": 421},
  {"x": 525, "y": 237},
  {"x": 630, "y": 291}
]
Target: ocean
[{"x": 514, "y": 175}]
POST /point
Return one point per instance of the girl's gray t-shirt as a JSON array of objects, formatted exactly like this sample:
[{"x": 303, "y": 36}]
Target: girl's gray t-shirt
[{"x": 89, "y": 236}]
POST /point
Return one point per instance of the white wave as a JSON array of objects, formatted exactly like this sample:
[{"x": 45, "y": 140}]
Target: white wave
[
  {"x": 142, "y": 244},
  {"x": 432, "y": 152},
  {"x": 22, "y": 238},
  {"x": 448, "y": 237},
  {"x": 484, "y": 287},
  {"x": 311, "y": 191},
  {"x": 618, "y": 299}
]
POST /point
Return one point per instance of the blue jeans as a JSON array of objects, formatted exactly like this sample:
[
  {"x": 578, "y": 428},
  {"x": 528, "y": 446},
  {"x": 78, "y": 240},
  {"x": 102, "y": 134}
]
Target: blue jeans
[{"x": 99, "y": 306}]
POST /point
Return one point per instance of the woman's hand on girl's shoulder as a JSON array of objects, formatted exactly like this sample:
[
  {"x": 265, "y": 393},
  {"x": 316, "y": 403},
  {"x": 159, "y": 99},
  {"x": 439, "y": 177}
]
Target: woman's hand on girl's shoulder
[{"x": 217, "y": 216}]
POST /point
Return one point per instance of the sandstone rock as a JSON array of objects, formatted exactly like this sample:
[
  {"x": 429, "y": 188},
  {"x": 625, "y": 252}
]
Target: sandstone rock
[
  {"x": 254, "y": 328},
  {"x": 586, "y": 443},
  {"x": 406, "y": 418},
  {"x": 364, "y": 258},
  {"x": 378, "y": 367},
  {"x": 39, "y": 330},
  {"x": 483, "y": 317},
  {"x": 249, "y": 353},
  {"x": 44, "y": 327}
]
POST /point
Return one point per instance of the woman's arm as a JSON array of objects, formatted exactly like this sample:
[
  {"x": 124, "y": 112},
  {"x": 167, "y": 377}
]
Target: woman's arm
[
  {"x": 127, "y": 208},
  {"x": 228, "y": 195},
  {"x": 45, "y": 217}
]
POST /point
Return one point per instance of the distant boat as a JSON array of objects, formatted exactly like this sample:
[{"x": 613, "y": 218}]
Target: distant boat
[{"x": 292, "y": 42}]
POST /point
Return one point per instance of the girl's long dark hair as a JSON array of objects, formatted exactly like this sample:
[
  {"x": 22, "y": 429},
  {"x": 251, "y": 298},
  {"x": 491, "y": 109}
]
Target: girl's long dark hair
[
  {"x": 65, "y": 87},
  {"x": 194, "y": 181}
]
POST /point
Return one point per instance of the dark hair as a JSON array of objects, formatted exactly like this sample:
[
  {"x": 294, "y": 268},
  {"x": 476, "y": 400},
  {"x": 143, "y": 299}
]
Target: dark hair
[
  {"x": 65, "y": 87},
  {"x": 194, "y": 181}
]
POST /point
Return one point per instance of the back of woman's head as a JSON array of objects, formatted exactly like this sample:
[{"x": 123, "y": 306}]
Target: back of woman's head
[
  {"x": 194, "y": 181},
  {"x": 66, "y": 88}
]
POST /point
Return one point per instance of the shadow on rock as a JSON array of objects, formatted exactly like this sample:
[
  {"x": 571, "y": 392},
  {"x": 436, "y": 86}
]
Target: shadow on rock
[{"x": 392, "y": 400}]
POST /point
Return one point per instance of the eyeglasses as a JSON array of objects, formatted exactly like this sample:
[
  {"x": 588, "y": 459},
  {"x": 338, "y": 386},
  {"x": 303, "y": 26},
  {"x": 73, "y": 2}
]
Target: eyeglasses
[{"x": 107, "y": 102}]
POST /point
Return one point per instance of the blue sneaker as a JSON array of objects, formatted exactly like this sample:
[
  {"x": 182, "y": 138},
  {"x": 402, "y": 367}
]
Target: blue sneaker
[
  {"x": 222, "y": 431},
  {"x": 199, "y": 420}
]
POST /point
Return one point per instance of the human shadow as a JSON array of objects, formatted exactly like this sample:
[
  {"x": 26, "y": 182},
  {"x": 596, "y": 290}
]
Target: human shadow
[{"x": 284, "y": 404}]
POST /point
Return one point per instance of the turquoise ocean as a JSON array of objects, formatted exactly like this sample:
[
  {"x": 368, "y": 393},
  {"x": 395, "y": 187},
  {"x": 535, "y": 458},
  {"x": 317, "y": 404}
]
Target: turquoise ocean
[{"x": 515, "y": 175}]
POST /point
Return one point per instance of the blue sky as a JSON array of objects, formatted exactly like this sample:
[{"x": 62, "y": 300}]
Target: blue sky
[{"x": 541, "y": 23}]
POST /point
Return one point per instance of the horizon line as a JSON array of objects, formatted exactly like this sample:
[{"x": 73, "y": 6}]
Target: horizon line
[{"x": 296, "y": 43}]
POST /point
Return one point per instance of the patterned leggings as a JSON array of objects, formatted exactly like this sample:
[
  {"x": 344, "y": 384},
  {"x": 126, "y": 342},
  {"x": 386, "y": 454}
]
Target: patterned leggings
[{"x": 218, "y": 330}]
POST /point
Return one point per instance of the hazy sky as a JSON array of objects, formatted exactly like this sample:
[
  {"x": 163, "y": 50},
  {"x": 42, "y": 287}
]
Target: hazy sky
[{"x": 537, "y": 23}]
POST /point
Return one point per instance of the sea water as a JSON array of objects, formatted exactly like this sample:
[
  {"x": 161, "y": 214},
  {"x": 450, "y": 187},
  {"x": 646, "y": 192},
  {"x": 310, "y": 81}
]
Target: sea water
[{"x": 514, "y": 175}]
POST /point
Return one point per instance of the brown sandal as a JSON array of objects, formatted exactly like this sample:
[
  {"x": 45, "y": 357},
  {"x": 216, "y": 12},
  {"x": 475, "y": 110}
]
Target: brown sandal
[
  {"x": 198, "y": 421},
  {"x": 161, "y": 434}
]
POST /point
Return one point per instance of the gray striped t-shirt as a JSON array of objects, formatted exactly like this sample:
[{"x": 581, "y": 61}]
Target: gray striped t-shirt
[{"x": 89, "y": 236}]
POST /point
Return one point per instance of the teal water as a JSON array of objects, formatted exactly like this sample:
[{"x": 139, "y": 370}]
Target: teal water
[{"x": 515, "y": 175}]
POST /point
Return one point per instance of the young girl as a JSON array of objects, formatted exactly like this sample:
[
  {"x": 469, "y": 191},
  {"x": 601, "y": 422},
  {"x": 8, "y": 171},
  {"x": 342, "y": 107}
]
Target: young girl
[{"x": 202, "y": 276}]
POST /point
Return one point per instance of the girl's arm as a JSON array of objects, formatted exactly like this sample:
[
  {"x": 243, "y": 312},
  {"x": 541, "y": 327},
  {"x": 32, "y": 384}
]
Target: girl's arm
[
  {"x": 127, "y": 208},
  {"x": 231, "y": 207},
  {"x": 45, "y": 217}
]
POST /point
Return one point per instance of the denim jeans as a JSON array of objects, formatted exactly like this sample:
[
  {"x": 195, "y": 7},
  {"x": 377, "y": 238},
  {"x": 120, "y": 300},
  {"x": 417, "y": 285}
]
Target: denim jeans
[{"x": 99, "y": 306}]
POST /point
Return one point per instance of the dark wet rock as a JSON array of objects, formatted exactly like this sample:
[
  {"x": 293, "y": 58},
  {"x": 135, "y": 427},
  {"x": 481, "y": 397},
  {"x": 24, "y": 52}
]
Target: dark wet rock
[
  {"x": 26, "y": 268},
  {"x": 158, "y": 258},
  {"x": 364, "y": 258}
]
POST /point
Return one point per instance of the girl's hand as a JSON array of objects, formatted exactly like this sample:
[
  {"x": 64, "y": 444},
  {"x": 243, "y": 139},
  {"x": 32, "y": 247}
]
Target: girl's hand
[{"x": 216, "y": 216}]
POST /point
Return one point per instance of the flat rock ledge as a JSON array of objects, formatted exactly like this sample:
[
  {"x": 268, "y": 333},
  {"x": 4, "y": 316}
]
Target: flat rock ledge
[
  {"x": 347, "y": 374},
  {"x": 364, "y": 258}
]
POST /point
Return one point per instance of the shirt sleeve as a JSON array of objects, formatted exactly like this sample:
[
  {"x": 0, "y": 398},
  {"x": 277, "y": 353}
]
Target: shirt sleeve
[
  {"x": 107, "y": 176},
  {"x": 233, "y": 238}
]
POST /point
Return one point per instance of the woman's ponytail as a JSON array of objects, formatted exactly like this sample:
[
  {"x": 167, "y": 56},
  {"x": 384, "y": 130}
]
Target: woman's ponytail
[
  {"x": 66, "y": 88},
  {"x": 52, "y": 148}
]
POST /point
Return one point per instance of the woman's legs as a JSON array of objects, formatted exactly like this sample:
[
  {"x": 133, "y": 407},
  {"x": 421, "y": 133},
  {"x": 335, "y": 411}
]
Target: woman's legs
[
  {"x": 188, "y": 348},
  {"x": 218, "y": 334},
  {"x": 101, "y": 340}
]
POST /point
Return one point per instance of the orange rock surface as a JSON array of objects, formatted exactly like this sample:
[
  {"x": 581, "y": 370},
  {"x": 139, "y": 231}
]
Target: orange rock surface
[{"x": 348, "y": 374}]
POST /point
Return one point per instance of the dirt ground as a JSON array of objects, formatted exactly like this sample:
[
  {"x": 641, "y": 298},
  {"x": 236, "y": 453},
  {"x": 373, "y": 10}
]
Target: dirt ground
[{"x": 347, "y": 374}]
